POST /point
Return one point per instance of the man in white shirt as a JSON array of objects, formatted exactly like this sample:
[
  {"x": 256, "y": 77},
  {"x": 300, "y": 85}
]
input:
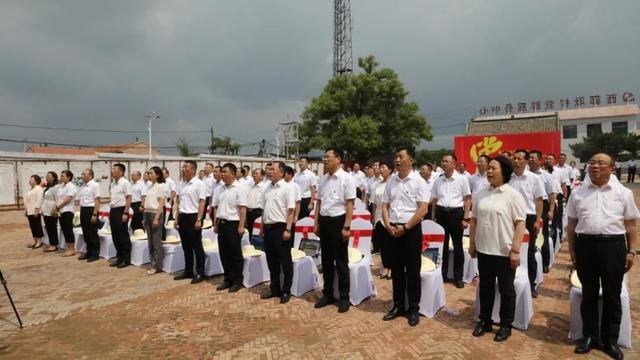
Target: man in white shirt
[
  {"x": 89, "y": 195},
  {"x": 561, "y": 174},
  {"x": 289, "y": 173},
  {"x": 277, "y": 222},
  {"x": 336, "y": 197},
  {"x": 255, "y": 201},
  {"x": 307, "y": 182},
  {"x": 120, "y": 191},
  {"x": 138, "y": 195},
  {"x": 405, "y": 202},
  {"x": 229, "y": 219},
  {"x": 631, "y": 167},
  {"x": 478, "y": 181},
  {"x": 358, "y": 177},
  {"x": 373, "y": 178},
  {"x": 427, "y": 173},
  {"x": 531, "y": 187},
  {"x": 451, "y": 198},
  {"x": 247, "y": 177},
  {"x": 190, "y": 204},
  {"x": 602, "y": 236},
  {"x": 461, "y": 169},
  {"x": 171, "y": 197},
  {"x": 145, "y": 179},
  {"x": 548, "y": 204},
  {"x": 208, "y": 185},
  {"x": 267, "y": 173}
]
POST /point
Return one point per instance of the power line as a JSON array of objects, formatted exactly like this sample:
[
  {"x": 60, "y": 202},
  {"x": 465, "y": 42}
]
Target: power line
[{"x": 25, "y": 141}]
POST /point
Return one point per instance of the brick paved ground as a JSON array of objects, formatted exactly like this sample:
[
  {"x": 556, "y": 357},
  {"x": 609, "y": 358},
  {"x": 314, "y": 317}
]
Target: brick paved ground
[{"x": 72, "y": 309}]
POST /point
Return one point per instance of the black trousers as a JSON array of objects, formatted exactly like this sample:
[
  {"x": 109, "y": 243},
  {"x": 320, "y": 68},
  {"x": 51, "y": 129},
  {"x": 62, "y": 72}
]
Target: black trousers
[
  {"x": 334, "y": 255},
  {"x": 405, "y": 268},
  {"x": 51, "y": 225},
  {"x": 490, "y": 267},
  {"x": 385, "y": 241},
  {"x": 304, "y": 208},
  {"x": 632, "y": 174},
  {"x": 191, "y": 240},
  {"x": 35, "y": 224},
  {"x": 120, "y": 234},
  {"x": 89, "y": 231},
  {"x": 230, "y": 251},
  {"x": 252, "y": 215},
  {"x": 532, "y": 264},
  {"x": 278, "y": 255},
  {"x": 601, "y": 260},
  {"x": 66, "y": 225},
  {"x": 136, "y": 219},
  {"x": 546, "y": 250},
  {"x": 557, "y": 221},
  {"x": 451, "y": 220}
]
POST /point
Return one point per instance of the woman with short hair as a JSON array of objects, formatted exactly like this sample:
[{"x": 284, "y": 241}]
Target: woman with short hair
[
  {"x": 65, "y": 206},
  {"x": 153, "y": 218},
  {"x": 33, "y": 204},
  {"x": 50, "y": 215},
  {"x": 382, "y": 236}
]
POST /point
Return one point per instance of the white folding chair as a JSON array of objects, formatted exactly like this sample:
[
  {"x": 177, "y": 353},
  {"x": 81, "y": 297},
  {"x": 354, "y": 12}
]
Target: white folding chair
[
  {"x": 470, "y": 267},
  {"x": 305, "y": 272},
  {"x": 575, "y": 322},
  {"x": 80, "y": 244},
  {"x": 432, "y": 294},
  {"x": 107, "y": 248},
  {"x": 359, "y": 205},
  {"x": 173, "y": 260},
  {"x": 524, "y": 302},
  {"x": 213, "y": 262},
  {"x": 361, "y": 214},
  {"x": 361, "y": 285}
]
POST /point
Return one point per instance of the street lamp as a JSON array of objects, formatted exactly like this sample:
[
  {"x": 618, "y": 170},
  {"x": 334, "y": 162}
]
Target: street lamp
[{"x": 151, "y": 117}]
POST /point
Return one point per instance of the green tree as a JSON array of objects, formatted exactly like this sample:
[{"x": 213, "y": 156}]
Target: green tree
[
  {"x": 223, "y": 146},
  {"x": 429, "y": 156},
  {"x": 622, "y": 146},
  {"x": 183, "y": 148},
  {"x": 366, "y": 114}
]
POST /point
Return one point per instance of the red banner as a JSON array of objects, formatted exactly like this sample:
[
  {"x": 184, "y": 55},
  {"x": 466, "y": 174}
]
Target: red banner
[{"x": 469, "y": 148}]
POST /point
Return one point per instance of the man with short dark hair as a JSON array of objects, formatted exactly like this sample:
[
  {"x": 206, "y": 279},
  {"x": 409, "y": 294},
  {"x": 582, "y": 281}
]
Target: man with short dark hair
[
  {"x": 138, "y": 195},
  {"x": 478, "y": 181},
  {"x": 89, "y": 195},
  {"x": 255, "y": 200},
  {"x": 548, "y": 204},
  {"x": 120, "y": 191},
  {"x": 307, "y": 182},
  {"x": 190, "y": 204}
]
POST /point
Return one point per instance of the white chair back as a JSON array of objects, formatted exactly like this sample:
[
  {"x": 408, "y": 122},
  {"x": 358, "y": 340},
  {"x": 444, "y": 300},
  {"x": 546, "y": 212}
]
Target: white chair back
[
  {"x": 303, "y": 229},
  {"x": 359, "y": 205},
  {"x": 361, "y": 233},
  {"x": 523, "y": 252},
  {"x": 257, "y": 225},
  {"x": 361, "y": 214},
  {"x": 433, "y": 238},
  {"x": 103, "y": 213}
]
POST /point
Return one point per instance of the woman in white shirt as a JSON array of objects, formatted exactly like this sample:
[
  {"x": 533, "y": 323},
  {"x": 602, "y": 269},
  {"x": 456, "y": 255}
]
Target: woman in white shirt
[
  {"x": 153, "y": 218},
  {"x": 50, "y": 215},
  {"x": 33, "y": 204},
  {"x": 496, "y": 232},
  {"x": 65, "y": 204},
  {"x": 381, "y": 235}
]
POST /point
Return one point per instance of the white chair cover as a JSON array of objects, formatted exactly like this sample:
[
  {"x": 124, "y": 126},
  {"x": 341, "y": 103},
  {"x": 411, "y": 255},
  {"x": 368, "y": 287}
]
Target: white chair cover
[
  {"x": 361, "y": 233},
  {"x": 173, "y": 258},
  {"x": 359, "y": 205},
  {"x": 305, "y": 276},
  {"x": 255, "y": 271},
  {"x": 524, "y": 302},
  {"x": 361, "y": 214},
  {"x": 213, "y": 263},
  {"x": 361, "y": 285},
  {"x": 432, "y": 294},
  {"x": 107, "y": 248},
  {"x": 140, "y": 252},
  {"x": 80, "y": 245},
  {"x": 575, "y": 324},
  {"x": 539, "y": 273},
  {"x": 470, "y": 267},
  {"x": 304, "y": 229}
]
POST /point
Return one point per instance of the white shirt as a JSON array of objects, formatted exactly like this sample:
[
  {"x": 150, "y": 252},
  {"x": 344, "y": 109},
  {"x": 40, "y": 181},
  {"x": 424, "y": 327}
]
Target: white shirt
[
  {"x": 148, "y": 183},
  {"x": 496, "y": 210},
  {"x": 229, "y": 200},
  {"x": 191, "y": 193},
  {"x": 138, "y": 190},
  {"x": 564, "y": 173},
  {"x": 170, "y": 187},
  {"x": 478, "y": 182},
  {"x": 49, "y": 199},
  {"x": 278, "y": 199},
  {"x": 334, "y": 191},
  {"x": 33, "y": 200},
  {"x": 305, "y": 180},
  {"x": 530, "y": 186},
  {"x": 246, "y": 181},
  {"x": 156, "y": 191},
  {"x": 255, "y": 198},
  {"x": 359, "y": 177},
  {"x": 548, "y": 182},
  {"x": 631, "y": 163},
  {"x": 65, "y": 190},
  {"x": 377, "y": 191},
  {"x": 404, "y": 196},
  {"x": 208, "y": 184},
  {"x": 602, "y": 211},
  {"x": 89, "y": 193},
  {"x": 450, "y": 192},
  {"x": 369, "y": 182},
  {"x": 215, "y": 185},
  {"x": 296, "y": 191},
  {"x": 119, "y": 191},
  {"x": 576, "y": 173}
]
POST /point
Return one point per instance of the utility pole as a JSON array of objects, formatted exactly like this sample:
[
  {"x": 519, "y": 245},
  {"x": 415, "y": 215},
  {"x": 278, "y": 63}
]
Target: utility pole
[
  {"x": 211, "y": 148},
  {"x": 150, "y": 118},
  {"x": 342, "y": 52}
]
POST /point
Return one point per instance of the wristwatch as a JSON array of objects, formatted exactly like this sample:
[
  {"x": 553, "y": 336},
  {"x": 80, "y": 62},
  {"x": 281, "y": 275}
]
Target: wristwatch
[
  {"x": 346, "y": 228},
  {"x": 634, "y": 252}
]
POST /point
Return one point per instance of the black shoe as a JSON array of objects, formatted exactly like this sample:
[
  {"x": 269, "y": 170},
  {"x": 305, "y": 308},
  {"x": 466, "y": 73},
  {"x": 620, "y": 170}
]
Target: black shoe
[
  {"x": 224, "y": 286},
  {"x": 83, "y": 257},
  {"x": 534, "y": 293},
  {"x": 197, "y": 279},
  {"x": 394, "y": 313},
  {"x": 114, "y": 263},
  {"x": 502, "y": 334},
  {"x": 285, "y": 298},
  {"x": 481, "y": 329},
  {"x": 545, "y": 269},
  {"x": 324, "y": 301},
  {"x": 414, "y": 319},
  {"x": 614, "y": 351},
  {"x": 584, "y": 345},
  {"x": 93, "y": 258},
  {"x": 183, "y": 276},
  {"x": 459, "y": 284},
  {"x": 235, "y": 288},
  {"x": 343, "y": 305},
  {"x": 124, "y": 264},
  {"x": 269, "y": 294}
]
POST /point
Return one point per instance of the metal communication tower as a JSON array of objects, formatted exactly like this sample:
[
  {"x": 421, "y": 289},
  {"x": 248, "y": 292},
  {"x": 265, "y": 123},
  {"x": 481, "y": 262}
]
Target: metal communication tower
[{"x": 342, "y": 54}]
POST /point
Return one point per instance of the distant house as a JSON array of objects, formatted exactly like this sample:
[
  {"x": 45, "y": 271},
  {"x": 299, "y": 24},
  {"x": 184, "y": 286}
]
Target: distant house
[{"x": 136, "y": 147}]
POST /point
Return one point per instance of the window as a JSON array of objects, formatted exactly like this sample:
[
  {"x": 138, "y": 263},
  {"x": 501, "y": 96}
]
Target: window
[
  {"x": 594, "y": 129},
  {"x": 570, "y": 132},
  {"x": 619, "y": 127}
]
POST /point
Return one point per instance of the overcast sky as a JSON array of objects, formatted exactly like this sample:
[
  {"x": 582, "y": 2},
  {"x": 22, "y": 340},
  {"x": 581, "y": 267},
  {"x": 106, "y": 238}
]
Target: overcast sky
[{"x": 242, "y": 66}]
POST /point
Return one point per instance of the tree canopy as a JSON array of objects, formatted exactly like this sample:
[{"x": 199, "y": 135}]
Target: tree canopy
[
  {"x": 621, "y": 146},
  {"x": 365, "y": 114}
]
